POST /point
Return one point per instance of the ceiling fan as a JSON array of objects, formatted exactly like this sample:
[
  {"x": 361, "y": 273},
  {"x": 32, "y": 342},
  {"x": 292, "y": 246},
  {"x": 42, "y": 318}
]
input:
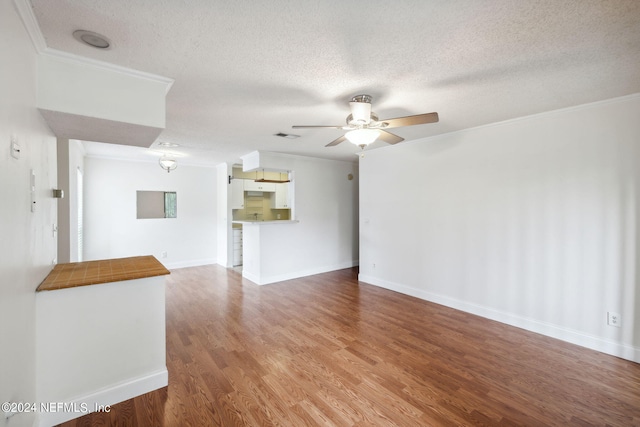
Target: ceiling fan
[{"x": 364, "y": 126}]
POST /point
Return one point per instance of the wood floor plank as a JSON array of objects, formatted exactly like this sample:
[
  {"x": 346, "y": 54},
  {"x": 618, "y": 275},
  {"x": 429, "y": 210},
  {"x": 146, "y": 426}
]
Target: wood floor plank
[{"x": 327, "y": 350}]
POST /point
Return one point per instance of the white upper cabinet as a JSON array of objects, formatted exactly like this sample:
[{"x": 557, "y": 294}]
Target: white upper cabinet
[
  {"x": 250, "y": 185},
  {"x": 281, "y": 199}
]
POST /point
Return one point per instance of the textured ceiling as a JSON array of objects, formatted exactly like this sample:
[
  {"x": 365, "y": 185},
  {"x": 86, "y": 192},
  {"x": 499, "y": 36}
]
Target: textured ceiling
[{"x": 245, "y": 70}]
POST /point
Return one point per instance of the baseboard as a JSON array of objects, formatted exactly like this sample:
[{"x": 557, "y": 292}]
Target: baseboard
[
  {"x": 266, "y": 280},
  {"x": 189, "y": 263},
  {"x": 104, "y": 398},
  {"x": 251, "y": 277},
  {"x": 613, "y": 348}
]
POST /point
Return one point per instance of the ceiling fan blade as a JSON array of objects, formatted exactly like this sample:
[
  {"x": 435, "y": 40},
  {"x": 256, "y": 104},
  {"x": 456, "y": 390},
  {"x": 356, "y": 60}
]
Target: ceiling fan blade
[
  {"x": 312, "y": 126},
  {"x": 336, "y": 141},
  {"x": 418, "y": 119},
  {"x": 389, "y": 138}
]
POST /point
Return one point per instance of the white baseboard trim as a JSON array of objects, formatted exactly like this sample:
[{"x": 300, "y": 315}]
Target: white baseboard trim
[
  {"x": 189, "y": 263},
  {"x": 262, "y": 280},
  {"x": 613, "y": 348},
  {"x": 103, "y": 398},
  {"x": 222, "y": 262},
  {"x": 251, "y": 277}
]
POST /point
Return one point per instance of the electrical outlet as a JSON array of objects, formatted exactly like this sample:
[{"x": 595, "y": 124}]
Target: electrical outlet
[
  {"x": 613, "y": 319},
  {"x": 164, "y": 254}
]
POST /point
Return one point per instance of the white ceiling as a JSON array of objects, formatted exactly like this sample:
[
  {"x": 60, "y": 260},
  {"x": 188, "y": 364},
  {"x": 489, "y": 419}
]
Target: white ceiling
[{"x": 245, "y": 69}]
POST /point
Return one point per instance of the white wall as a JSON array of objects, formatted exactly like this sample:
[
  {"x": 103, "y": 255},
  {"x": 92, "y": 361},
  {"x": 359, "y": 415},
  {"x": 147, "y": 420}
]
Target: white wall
[
  {"x": 70, "y": 159},
  {"x": 224, "y": 242},
  {"x": 110, "y": 224},
  {"x": 326, "y": 236},
  {"x": 532, "y": 222},
  {"x": 28, "y": 245},
  {"x": 76, "y": 162},
  {"x": 89, "y": 354}
]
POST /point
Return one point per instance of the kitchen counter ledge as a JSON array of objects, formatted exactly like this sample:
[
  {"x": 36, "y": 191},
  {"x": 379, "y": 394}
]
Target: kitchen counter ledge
[
  {"x": 86, "y": 273},
  {"x": 276, "y": 221}
]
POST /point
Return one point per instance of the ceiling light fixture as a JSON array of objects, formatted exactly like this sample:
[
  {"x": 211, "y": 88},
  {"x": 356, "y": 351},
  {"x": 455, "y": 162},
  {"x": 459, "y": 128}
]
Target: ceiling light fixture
[
  {"x": 168, "y": 144},
  {"x": 92, "y": 39},
  {"x": 362, "y": 137},
  {"x": 168, "y": 163}
]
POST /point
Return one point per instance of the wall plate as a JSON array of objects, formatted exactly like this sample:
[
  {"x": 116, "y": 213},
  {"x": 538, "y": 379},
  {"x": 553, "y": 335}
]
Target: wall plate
[
  {"x": 613, "y": 319},
  {"x": 15, "y": 149},
  {"x": 33, "y": 190}
]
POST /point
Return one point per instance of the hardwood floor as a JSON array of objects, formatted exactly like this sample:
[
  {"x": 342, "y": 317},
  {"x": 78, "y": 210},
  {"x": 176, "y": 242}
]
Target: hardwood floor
[{"x": 328, "y": 351}]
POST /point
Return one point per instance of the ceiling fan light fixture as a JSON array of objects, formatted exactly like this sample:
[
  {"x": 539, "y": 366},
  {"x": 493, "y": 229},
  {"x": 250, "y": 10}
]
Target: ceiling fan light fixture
[
  {"x": 362, "y": 137},
  {"x": 365, "y": 127}
]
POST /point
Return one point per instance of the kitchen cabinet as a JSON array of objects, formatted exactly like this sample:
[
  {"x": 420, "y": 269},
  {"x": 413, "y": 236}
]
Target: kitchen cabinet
[
  {"x": 237, "y": 193},
  {"x": 259, "y": 186},
  {"x": 281, "y": 199}
]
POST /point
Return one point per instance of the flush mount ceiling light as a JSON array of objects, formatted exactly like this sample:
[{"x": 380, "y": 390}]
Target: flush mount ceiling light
[
  {"x": 362, "y": 137},
  {"x": 168, "y": 144},
  {"x": 168, "y": 163},
  {"x": 92, "y": 39}
]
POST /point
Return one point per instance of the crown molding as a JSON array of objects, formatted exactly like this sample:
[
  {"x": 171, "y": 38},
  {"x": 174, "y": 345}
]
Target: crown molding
[
  {"x": 30, "y": 24},
  {"x": 71, "y": 57},
  {"x": 33, "y": 29}
]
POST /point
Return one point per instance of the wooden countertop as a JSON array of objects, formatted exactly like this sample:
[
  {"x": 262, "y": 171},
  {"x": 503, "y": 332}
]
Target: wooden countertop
[{"x": 86, "y": 273}]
